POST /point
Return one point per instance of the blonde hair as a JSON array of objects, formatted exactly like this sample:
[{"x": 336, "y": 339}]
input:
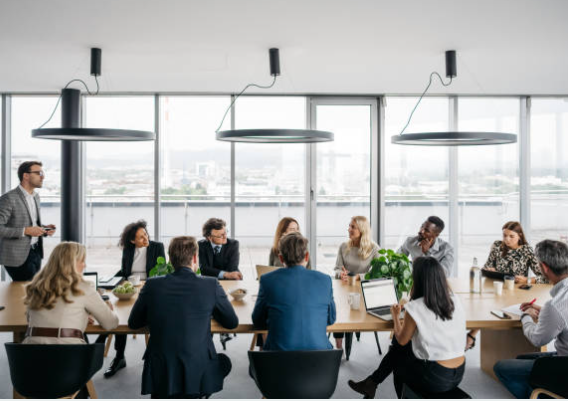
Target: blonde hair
[
  {"x": 366, "y": 244},
  {"x": 57, "y": 278},
  {"x": 280, "y": 229}
]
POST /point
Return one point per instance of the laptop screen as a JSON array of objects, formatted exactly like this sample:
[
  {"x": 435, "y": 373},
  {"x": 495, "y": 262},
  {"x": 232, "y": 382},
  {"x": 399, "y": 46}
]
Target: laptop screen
[
  {"x": 92, "y": 277},
  {"x": 379, "y": 293}
]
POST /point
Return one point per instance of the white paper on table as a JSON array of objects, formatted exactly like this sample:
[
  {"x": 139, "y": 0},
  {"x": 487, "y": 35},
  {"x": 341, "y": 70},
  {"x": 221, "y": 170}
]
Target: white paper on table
[{"x": 514, "y": 309}]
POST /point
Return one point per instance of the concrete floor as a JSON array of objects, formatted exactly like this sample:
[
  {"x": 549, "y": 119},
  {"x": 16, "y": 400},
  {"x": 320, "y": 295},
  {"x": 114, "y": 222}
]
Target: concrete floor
[{"x": 364, "y": 359}]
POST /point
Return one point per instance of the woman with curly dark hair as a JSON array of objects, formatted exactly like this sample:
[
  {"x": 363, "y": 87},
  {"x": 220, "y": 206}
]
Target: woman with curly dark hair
[{"x": 139, "y": 256}]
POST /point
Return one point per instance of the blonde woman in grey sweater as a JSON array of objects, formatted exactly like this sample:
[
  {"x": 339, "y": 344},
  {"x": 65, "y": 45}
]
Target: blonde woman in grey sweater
[{"x": 355, "y": 255}]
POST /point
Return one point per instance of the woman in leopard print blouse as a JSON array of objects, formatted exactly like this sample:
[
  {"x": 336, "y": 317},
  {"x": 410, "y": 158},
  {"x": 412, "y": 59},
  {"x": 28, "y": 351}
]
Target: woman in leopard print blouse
[{"x": 513, "y": 255}]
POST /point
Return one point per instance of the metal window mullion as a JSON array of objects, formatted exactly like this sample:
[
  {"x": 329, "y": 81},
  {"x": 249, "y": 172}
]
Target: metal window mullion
[
  {"x": 5, "y": 139},
  {"x": 453, "y": 185},
  {"x": 233, "y": 174},
  {"x": 525, "y": 165},
  {"x": 378, "y": 170},
  {"x": 311, "y": 185},
  {"x": 157, "y": 169}
]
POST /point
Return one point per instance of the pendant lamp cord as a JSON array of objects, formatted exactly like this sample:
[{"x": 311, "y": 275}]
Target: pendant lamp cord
[
  {"x": 236, "y": 97},
  {"x": 66, "y": 86},
  {"x": 423, "y": 93}
]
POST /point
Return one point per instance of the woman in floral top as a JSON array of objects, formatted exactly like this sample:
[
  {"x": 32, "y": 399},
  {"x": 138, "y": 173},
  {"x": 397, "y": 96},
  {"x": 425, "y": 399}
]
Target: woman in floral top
[{"x": 512, "y": 256}]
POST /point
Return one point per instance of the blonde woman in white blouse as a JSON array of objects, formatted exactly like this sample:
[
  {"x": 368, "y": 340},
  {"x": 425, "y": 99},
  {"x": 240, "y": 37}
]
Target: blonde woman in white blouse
[
  {"x": 355, "y": 255},
  {"x": 59, "y": 302}
]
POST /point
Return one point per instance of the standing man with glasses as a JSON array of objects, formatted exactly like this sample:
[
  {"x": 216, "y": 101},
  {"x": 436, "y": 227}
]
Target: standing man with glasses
[
  {"x": 219, "y": 255},
  {"x": 21, "y": 231}
]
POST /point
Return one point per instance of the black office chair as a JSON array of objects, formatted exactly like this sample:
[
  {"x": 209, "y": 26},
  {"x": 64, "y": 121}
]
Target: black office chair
[
  {"x": 295, "y": 374},
  {"x": 547, "y": 377},
  {"x": 53, "y": 370},
  {"x": 457, "y": 394}
]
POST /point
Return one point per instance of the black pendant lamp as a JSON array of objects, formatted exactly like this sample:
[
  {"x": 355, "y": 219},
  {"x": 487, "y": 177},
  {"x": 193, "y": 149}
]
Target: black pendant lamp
[
  {"x": 450, "y": 138},
  {"x": 76, "y": 133},
  {"x": 270, "y": 135}
]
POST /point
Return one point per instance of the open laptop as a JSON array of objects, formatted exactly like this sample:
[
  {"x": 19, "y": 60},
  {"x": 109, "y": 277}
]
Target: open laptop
[
  {"x": 110, "y": 281},
  {"x": 262, "y": 269},
  {"x": 379, "y": 296},
  {"x": 92, "y": 277}
]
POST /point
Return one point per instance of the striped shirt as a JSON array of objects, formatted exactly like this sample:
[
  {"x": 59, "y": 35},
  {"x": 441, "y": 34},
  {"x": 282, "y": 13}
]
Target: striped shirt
[{"x": 552, "y": 321}]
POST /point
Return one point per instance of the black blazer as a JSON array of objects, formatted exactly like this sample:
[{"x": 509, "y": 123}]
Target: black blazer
[
  {"x": 180, "y": 357},
  {"x": 229, "y": 254},
  {"x": 155, "y": 249}
]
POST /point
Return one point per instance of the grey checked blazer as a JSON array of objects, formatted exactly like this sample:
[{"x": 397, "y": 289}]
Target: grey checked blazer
[{"x": 14, "y": 217}]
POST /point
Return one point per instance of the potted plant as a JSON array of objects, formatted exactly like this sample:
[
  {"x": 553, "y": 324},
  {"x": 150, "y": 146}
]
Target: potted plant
[
  {"x": 395, "y": 265},
  {"x": 162, "y": 268}
]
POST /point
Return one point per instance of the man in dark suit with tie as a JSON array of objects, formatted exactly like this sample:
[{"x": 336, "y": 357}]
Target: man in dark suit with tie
[
  {"x": 180, "y": 360},
  {"x": 219, "y": 255},
  {"x": 21, "y": 232},
  {"x": 294, "y": 303}
]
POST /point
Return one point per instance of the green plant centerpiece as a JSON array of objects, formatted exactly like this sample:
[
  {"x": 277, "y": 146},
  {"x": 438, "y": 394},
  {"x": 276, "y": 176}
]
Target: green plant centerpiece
[
  {"x": 162, "y": 268},
  {"x": 395, "y": 265}
]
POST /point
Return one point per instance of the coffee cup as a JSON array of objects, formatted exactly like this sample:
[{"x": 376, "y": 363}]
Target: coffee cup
[
  {"x": 498, "y": 286},
  {"x": 509, "y": 282},
  {"x": 134, "y": 279},
  {"x": 352, "y": 278},
  {"x": 354, "y": 300}
]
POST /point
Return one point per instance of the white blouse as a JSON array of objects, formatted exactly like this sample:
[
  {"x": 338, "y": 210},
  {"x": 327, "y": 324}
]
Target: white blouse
[
  {"x": 436, "y": 339},
  {"x": 139, "y": 262}
]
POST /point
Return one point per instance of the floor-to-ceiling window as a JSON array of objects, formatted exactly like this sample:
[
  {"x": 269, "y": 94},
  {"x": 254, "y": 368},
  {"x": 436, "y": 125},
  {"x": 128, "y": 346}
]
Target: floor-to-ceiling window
[
  {"x": 416, "y": 178},
  {"x": 488, "y": 177},
  {"x": 30, "y": 112},
  {"x": 343, "y": 174},
  {"x": 269, "y": 178},
  {"x": 196, "y": 168},
  {"x": 549, "y": 169},
  {"x": 119, "y": 177}
]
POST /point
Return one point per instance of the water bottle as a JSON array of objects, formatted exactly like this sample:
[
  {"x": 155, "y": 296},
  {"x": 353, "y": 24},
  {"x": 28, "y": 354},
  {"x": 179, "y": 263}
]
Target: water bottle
[{"x": 475, "y": 278}]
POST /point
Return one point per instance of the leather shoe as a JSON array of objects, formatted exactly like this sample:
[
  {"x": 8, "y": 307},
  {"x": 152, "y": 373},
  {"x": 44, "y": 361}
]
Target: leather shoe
[
  {"x": 115, "y": 366},
  {"x": 366, "y": 387}
]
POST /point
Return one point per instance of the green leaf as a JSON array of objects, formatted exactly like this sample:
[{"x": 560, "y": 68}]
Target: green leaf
[
  {"x": 161, "y": 260},
  {"x": 384, "y": 269},
  {"x": 382, "y": 251}
]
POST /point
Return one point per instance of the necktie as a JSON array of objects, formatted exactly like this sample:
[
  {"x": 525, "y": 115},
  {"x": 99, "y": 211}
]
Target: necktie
[{"x": 217, "y": 249}]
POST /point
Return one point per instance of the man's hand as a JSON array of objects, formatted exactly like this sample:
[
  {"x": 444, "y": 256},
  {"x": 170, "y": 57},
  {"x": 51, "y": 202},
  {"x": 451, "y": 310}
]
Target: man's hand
[
  {"x": 525, "y": 306},
  {"x": 533, "y": 313},
  {"x": 52, "y": 231},
  {"x": 426, "y": 244},
  {"x": 233, "y": 275},
  {"x": 34, "y": 231}
]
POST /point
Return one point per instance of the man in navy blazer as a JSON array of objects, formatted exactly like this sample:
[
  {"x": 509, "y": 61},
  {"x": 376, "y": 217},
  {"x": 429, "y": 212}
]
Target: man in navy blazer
[
  {"x": 295, "y": 304},
  {"x": 180, "y": 360},
  {"x": 219, "y": 255}
]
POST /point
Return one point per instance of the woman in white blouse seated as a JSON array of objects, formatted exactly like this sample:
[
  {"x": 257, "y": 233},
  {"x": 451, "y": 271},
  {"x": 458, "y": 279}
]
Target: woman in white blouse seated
[
  {"x": 354, "y": 256},
  {"x": 427, "y": 351},
  {"x": 59, "y": 302}
]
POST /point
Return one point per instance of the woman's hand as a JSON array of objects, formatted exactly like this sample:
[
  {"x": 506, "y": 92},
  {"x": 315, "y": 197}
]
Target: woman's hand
[
  {"x": 395, "y": 311},
  {"x": 520, "y": 279},
  {"x": 344, "y": 273},
  {"x": 91, "y": 320},
  {"x": 491, "y": 269}
]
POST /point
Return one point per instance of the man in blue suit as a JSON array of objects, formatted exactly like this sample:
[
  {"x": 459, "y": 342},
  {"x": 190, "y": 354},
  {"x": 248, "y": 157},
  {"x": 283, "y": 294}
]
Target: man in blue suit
[
  {"x": 295, "y": 304},
  {"x": 180, "y": 360}
]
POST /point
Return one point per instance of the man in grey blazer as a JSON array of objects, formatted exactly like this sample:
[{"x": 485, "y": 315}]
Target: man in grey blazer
[{"x": 21, "y": 232}]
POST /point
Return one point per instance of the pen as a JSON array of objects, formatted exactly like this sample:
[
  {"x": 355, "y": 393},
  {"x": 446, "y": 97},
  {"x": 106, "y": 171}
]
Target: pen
[{"x": 532, "y": 302}]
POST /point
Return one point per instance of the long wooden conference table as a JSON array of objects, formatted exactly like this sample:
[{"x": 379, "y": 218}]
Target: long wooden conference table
[{"x": 500, "y": 339}]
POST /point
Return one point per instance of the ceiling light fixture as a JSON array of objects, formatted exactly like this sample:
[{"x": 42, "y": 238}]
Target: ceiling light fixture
[
  {"x": 450, "y": 138},
  {"x": 70, "y": 110},
  {"x": 270, "y": 135}
]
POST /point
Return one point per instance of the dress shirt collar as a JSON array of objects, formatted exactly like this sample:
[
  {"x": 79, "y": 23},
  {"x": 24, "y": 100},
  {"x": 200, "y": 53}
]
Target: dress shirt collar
[
  {"x": 558, "y": 287},
  {"x": 26, "y": 193},
  {"x": 213, "y": 245}
]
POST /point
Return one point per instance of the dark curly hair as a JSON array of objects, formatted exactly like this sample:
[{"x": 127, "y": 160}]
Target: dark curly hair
[
  {"x": 213, "y": 224},
  {"x": 129, "y": 233}
]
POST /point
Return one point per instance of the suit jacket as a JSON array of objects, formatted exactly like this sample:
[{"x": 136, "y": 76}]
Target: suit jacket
[
  {"x": 229, "y": 255},
  {"x": 296, "y": 305},
  {"x": 155, "y": 249},
  {"x": 180, "y": 357},
  {"x": 14, "y": 217}
]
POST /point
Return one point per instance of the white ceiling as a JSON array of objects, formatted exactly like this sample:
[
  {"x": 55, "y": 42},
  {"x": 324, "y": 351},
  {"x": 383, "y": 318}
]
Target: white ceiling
[{"x": 505, "y": 47}]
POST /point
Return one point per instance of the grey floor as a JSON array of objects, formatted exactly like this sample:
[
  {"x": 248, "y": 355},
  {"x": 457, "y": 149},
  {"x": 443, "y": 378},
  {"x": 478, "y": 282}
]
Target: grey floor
[{"x": 364, "y": 359}]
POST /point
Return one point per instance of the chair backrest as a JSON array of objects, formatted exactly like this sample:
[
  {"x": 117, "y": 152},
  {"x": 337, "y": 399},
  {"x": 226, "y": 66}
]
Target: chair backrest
[
  {"x": 548, "y": 373},
  {"x": 262, "y": 269},
  {"x": 296, "y": 374},
  {"x": 52, "y": 370}
]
